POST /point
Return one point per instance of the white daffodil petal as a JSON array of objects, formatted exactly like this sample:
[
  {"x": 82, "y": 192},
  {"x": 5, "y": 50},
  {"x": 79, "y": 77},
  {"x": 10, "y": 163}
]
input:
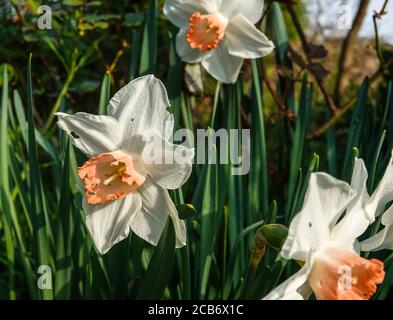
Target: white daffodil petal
[
  {"x": 384, "y": 238},
  {"x": 185, "y": 52},
  {"x": 157, "y": 205},
  {"x": 90, "y": 133},
  {"x": 221, "y": 65},
  {"x": 179, "y": 11},
  {"x": 325, "y": 199},
  {"x": 168, "y": 165},
  {"x": 382, "y": 194},
  {"x": 355, "y": 221},
  {"x": 387, "y": 218},
  {"x": 252, "y": 9},
  {"x": 294, "y": 288},
  {"x": 110, "y": 223},
  {"x": 141, "y": 105},
  {"x": 244, "y": 40}
]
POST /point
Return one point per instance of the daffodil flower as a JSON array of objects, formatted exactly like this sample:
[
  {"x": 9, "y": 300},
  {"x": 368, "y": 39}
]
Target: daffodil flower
[
  {"x": 323, "y": 235},
  {"x": 218, "y": 33},
  {"x": 122, "y": 191},
  {"x": 380, "y": 198}
]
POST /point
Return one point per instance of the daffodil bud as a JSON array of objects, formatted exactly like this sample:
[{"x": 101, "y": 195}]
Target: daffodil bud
[
  {"x": 259, "y": 250},
  {"x": 275, "y": 235},
  {"x": 186, "y": 210}
]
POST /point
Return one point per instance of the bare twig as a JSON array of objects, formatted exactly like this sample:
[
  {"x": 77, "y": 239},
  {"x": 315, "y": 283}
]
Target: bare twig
[
  {"x": 269, "y": 86},
  {"x": 377, "y": 16},
  {"x": 347, "y": 46},
  {"x": 306, "y": 48},
  {"x": 112, "y": 67},
  {"x": 347, "y": 106}
]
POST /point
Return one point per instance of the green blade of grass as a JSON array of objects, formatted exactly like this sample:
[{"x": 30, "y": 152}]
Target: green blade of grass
[
  {"x": 371, "y": 180},
  {"x": 42, "y": 245},
  {"x": 257, "y": 112},
  {"x": 174, "y": 78},
  {"x": 279, "y": 32},
  {"x": 44, "y": 143},
  {"x": 105, "y": 93},
  {"x": 237, "y": 218},
  {"x": 20, "y": 187},
  {"x": 388, "y": 107},
  {"x": 313, "y": 166},
  {"x": 10, "y": 256},
  {"x": 302, "y": 119},
  {"x": 64, "y": 234},
  {"x": 389, "y": 104},
  {"x": 355, "y": 129},
  {"x": 4, "y": 187},
  {"x": 234, "y": 253},
  {"x": 11, "y": 219},
  {"x": 161, "y": 265},
  {"x": 280, "y": 39},
  {"x": 4, "y": 132},
  {"x": 207, "y": 209},
  {"x": 183, "y": 254},
  {"x": 135, "y": 53},
  {"x": 331, "y": 152},
  {"x": 295, "y": 195},
  {"x": 149, "y": 44}
]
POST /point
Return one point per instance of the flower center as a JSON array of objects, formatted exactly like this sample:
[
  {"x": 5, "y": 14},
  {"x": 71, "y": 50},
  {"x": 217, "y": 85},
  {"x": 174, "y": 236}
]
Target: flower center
[
  {"x": 117, "y": 174},
  {"x": 340, "y": 274},
  {"x": 110, "y": 176},
  {"x": 206, "y": 31}
]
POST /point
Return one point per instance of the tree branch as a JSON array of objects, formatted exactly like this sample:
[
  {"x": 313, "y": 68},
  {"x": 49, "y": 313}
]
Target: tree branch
[
  {"x": 306, "y": 48},
  {"x": 377, "y": 16},
  {"x": 347, "y": 106},
  {"x": 347, "y": 46}
]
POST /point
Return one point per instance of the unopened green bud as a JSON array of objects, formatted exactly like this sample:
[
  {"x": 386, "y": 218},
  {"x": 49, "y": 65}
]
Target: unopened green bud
[
  {"x": 275, "y": 235},
  {"x": 259, "y": 249},
  {"x": 186, "y": 210}
]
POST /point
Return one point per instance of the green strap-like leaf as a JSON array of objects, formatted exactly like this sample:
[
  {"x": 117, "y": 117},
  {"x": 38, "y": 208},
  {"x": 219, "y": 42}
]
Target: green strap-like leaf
[{"x": 160, "y": 268}]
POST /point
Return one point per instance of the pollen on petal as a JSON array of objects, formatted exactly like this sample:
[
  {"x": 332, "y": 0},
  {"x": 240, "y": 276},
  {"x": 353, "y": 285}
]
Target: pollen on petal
[
  {"x": 110, "y": 176},
  {"x": 205, "y": 32},
  {"x": 339, "y": 274}
]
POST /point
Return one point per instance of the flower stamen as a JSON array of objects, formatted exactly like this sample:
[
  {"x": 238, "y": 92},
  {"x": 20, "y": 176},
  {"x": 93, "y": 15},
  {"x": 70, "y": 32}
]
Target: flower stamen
[{"x": 116, "y": 175}]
